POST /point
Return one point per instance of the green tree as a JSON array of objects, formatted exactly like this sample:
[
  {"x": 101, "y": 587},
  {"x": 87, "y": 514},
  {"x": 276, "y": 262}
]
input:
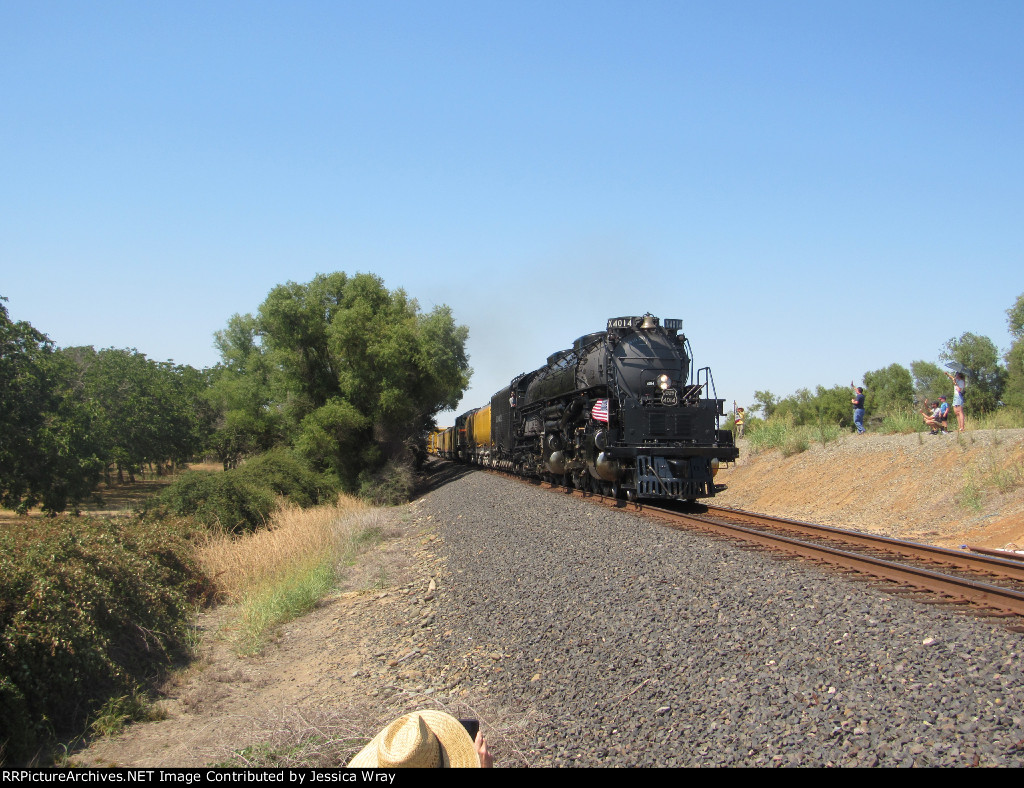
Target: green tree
[
  {"x": 930, "y": 382},
  {"x": 986, "y": 378},
  {"x": 355, "y": 372},
  {"x": 192, "y": 386},
  {"x": 46, "y": 454},
  {"x": 1015, "y": 318},
  {"x": 247, "y": 419},
  {"x": 143, "y": 411},
  {"x": 824, "y": 406},
  {"x": 889, "y": 390},
  {"x": 1013, "y": 393},
  {"x": 764, "y": 401},
  {"x": 796, "y": 406},
  {"x": 832, "y": 406}
]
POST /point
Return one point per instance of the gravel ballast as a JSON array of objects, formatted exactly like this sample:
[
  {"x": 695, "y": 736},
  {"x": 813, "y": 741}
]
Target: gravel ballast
[{"x": 626, "y": 643}]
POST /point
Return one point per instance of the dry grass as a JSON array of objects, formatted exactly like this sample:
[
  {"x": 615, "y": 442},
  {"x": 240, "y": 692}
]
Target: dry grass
[
  {"x": 282, "y": 572},
  {"x": 296, "y": 537}
]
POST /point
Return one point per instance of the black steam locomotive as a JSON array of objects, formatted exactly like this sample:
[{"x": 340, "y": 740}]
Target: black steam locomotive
[{"x": 622, "y": 412}]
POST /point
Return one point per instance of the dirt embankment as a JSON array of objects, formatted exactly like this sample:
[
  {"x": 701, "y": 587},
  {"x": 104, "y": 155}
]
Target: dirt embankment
[
  {"x": 365, "y": 654},
  {"x": 947, "y": 490}
]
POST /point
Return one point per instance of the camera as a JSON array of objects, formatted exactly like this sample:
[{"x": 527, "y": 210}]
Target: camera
[{"x": 471, "y": 726}]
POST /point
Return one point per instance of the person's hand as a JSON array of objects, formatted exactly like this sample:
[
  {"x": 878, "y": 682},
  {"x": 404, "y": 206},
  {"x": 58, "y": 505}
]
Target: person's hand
[{"x": 486, "y": 759}]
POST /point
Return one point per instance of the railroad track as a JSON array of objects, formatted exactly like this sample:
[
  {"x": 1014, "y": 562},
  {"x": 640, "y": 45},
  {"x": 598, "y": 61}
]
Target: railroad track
[
  {"x": 988, "y": 584},
  {"x": 950, "y": 576}
]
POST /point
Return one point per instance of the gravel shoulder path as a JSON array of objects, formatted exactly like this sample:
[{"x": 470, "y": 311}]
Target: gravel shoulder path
[{"x": 634, "y": 645}]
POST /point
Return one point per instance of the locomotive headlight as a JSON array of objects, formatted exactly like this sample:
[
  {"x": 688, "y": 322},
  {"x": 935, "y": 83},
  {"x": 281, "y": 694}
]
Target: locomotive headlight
[{"x": 664, "y": 381}]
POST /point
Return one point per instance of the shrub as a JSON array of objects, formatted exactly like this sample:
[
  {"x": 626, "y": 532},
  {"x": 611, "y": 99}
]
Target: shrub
[
  {"x": 970, "y": 494},
  {"x": 18, "y": 729},
  {"x": 282, "y": 472},
  {"x": 1001, "y": 473},
  {"x": 780, "y": 432},
  {"x": 89, "y": 609},
  {"x": 116, "y": 713},
  {"x": 226, "y": 500}
]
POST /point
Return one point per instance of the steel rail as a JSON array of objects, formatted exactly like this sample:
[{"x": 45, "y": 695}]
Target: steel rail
[
  {"x": 987, "y": 563},
  {"x": 1011, "y": 555},
  {"x": 1005, "y": 600}
]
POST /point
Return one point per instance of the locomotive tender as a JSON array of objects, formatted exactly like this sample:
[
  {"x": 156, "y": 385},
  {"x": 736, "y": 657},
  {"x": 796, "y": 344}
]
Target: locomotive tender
[{"x": 622, "y": 412}]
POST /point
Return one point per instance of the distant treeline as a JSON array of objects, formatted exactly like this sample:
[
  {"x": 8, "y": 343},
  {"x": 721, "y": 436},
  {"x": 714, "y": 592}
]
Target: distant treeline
[
  {"x": 993, "y": 382},
  {"x": 341, "y": 373}
]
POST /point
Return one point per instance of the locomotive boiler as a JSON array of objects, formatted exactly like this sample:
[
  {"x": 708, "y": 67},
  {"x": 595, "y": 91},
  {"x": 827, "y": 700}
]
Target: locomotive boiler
[{"x": 622, "y": 412}]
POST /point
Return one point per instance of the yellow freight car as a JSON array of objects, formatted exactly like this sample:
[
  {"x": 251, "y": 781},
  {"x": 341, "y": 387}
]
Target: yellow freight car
[
  {"x": 478, "y": 434},
  {"x": 434, "y": 441}
]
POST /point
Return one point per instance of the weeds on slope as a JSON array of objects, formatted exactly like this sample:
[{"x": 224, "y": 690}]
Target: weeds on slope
[
  {"x": 279, "y": 573},
  {"x": 789, "y": 438}
]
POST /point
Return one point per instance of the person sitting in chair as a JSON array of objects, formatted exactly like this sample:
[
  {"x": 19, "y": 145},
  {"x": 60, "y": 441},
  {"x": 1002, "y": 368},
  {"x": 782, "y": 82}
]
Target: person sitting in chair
[{"x": 933, "y": 417}]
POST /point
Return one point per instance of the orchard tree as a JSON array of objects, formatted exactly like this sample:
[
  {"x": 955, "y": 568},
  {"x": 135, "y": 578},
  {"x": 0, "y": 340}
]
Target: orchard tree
[
  {"x": 188, "y": 418},
  {"x": 46, "y": 453},
  {"x": 25, "y": 401},
  {"x": 143, "y": 411}
]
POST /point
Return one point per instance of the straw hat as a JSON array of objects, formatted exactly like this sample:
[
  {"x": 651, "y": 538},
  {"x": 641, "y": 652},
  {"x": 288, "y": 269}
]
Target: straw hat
[{"x": 423, "y": 739}]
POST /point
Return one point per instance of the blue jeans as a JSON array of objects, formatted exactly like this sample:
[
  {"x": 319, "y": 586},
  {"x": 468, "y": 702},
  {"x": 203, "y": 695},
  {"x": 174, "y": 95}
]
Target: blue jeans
[{"x": 858, "y": 418}]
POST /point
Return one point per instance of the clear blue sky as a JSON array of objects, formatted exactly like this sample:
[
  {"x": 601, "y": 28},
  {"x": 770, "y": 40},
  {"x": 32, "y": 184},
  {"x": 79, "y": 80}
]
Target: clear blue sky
[{"x": 816, "y": 188}]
